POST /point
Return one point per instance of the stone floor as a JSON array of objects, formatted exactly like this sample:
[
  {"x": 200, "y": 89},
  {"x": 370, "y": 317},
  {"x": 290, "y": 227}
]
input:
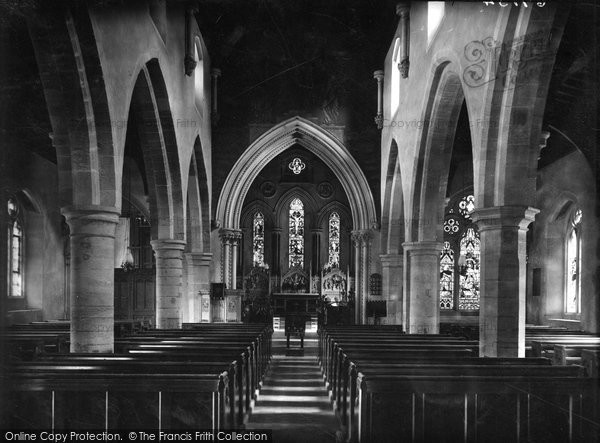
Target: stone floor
[{"x": 293, "y": 401}]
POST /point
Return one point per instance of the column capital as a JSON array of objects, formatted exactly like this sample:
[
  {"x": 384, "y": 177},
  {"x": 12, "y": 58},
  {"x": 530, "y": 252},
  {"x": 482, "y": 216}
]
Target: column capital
[
  {"x": 91, "y": 220},
  {"x": 316, "y": 231},
  {"x": 167, "y": 244},
  {"x": 378, "y": 75},
  {"x": 497, "y": 217},
  {"x": 423, "y": 247},
  {"x": 391, "y": 259},
  {"x": 215, "y": 72},
  {"x": 230, "y": 235},
  {"x": 91, "y": 212},
  {"x": 362, "y": 235}
]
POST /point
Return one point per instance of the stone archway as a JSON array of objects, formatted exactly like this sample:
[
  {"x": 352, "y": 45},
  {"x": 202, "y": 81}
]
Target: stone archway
[{"x": 298, "y": 131}]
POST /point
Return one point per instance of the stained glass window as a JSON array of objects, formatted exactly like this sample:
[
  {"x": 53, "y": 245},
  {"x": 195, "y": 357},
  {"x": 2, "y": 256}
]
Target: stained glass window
[
  {"x": 447, "y": 277},
  {"x": 573, "y": 283},
  {"x": 451, "y": 225},
  {"x": 297, "y": 166},
  {"x": 296, "y": 233},
  {"x": 334, "y": 240},
  {"x": 460, "y": 256},
  {"x": 466, "y": 206},
  {"x": 258, "y": 240},
  {"x": 468, "y": 299},
  {"x": 15, "y": 250}
]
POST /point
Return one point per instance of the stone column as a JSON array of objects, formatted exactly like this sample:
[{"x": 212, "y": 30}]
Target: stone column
[
  {"x": 391, "y": 273},
  {"x": 357, "y": 241},
  {"x": 502, "y": 230},
  {"x": 198, "y": 281},
  {"x": 169, "y": 272},
  {"x": 366, "y": 243},
  {"x": 230, "y": 239},
  {"x": 422, "y": 287},
  {"x": 403, "y": 11},
  {"x": 92, "y": 244},
  {"x": 235, "y": 247}
]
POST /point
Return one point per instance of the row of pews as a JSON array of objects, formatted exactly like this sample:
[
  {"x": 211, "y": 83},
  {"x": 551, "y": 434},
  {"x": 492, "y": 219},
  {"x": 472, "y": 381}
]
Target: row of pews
[
  {"x": 26, "y": 341},
  {"x": 565, "y": 347},
  {"x": 387, "y": 386},
  {"x": 202, "y": 377}
]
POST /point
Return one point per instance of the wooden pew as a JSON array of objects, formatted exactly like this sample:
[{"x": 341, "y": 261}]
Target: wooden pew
[
  {"x": 371, "y": 364},
  {"x": 590, "y": 359},
  {"x": 477, "y": 406},
  {"x": 111, "y": 363},
  {"x": 570, "y": 354},
  {"x": 26, "y": 345},
  {"x": 342, "y": 352},
  {"x": 75, "y": 400},
  {"x": 199, "y": 352},
  {"x": 545, "y": 347}
]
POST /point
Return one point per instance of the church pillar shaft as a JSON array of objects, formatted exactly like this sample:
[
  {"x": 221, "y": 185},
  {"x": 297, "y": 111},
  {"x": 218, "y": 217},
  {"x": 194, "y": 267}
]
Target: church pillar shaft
[
  {"x": 365, "y": 277},
  {"x": 502, "y": 274},
  {"x": 357, "y": 278},
  {"x": 169, "y": 272},
  {"x": 234, "y": 264},
  {"x": 422, "y": 287},
  {"x": 92, "y": 243},
  {"x": 391, "y": 273}
]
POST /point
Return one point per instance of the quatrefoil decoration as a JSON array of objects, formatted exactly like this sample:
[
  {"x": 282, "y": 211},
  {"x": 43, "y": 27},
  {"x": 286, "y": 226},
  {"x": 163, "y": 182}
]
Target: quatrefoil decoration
[{"x": 297, "y": 166}]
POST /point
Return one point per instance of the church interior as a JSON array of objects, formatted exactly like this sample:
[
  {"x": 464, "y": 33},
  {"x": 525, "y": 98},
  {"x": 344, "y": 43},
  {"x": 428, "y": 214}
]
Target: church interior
[{"x": 356, "y": 220}]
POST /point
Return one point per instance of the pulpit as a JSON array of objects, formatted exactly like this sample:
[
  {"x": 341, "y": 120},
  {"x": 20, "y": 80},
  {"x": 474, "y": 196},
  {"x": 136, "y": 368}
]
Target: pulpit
[{"x": 221, "y": 305}]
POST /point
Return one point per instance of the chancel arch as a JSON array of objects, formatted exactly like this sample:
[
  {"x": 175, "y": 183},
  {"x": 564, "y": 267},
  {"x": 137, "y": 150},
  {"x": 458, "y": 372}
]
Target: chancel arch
[{"x": 318, "y": 142}]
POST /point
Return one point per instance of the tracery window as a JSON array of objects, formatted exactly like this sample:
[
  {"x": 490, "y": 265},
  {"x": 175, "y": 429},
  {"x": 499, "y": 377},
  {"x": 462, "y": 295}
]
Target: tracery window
[
  {"x": 460, "y": 257},
  {"x": 15, "y": 249},
  {"x": 334, "y": 240},
  {"x": 296, "y": 233},
  {"x": 468, "y": 299},
  {"x": 447, "y": 277},
  {"x": 573, "y": 264},
  {"x": 258, "y": 240}
]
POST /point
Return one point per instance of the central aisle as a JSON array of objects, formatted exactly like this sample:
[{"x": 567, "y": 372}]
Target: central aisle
[{"x": 293, "y": 401}]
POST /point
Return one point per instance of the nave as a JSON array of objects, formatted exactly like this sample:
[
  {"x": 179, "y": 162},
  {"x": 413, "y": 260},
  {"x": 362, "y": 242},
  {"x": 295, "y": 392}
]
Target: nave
[{"x": 183, "y": 180}]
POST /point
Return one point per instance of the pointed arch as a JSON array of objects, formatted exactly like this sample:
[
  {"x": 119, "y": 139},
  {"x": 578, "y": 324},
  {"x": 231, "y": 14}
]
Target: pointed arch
[
  {"x": 198, "y": 202},
  {"x": 296, "y": 131},
  {"x": 153, "y": 120},
  {"x": 77, "y": 101},
  {"x": 435, "y": 151},
  {"x": 392, "y": 217}
]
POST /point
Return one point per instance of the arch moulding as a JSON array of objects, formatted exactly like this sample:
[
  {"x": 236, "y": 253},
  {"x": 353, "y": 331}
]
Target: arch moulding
[{"x": 280, "y": 138}]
